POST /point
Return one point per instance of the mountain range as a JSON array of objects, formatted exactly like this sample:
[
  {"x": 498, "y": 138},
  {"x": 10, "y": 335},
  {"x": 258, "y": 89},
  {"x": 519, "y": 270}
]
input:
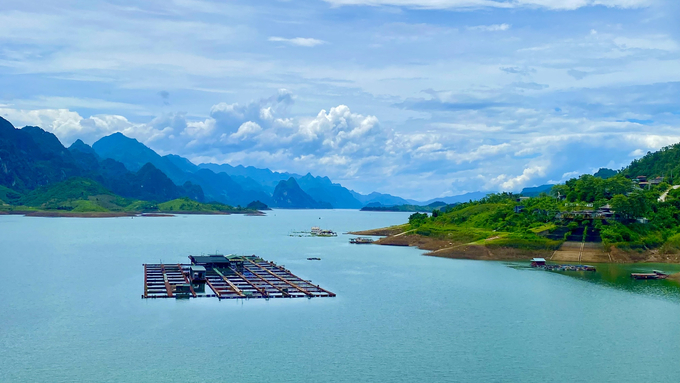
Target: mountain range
[{"x": 30, "y": 157}]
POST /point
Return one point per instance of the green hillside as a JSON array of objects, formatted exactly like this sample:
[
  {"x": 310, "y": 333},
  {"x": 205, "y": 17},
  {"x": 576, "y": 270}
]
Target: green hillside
[
  {"x": 187, "y": 205},
  {"x": 640, "y": 220},
  {"x": 83, "y": 195},
  {"x": 662, "y": 163},
  {"x": 76, "y": 195}
]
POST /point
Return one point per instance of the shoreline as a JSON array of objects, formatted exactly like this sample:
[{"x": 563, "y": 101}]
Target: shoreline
[
  {"x": 118, "y": 214},
  {"x": 434, "y": 247}
]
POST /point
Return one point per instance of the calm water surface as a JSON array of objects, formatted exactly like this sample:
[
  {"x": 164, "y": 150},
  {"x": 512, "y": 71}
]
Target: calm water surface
[{"x": 71, "y": 310}]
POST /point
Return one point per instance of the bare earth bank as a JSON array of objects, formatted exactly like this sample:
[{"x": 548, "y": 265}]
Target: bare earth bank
[{"x": 395, "y": 236}]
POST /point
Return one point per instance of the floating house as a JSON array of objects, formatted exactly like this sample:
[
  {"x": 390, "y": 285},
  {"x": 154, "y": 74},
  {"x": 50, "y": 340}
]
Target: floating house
[
  {"x": 213, "y": 261},
  {"x": 536, "y": 262},
  {"x": 197, "y": 273}
]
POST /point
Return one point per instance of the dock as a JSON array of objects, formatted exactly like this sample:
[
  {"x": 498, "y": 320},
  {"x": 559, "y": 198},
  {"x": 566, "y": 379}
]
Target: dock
[{"x": 228, "y": 277}]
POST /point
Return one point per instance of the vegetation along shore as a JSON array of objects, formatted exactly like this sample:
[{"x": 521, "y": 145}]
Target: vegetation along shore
[{"x": 630, "y": 215}]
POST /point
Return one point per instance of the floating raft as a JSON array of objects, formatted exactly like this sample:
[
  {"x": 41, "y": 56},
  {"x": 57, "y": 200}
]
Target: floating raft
[
  {"x": 569, "y": 268},
  {"x": 232, "y": 277}
]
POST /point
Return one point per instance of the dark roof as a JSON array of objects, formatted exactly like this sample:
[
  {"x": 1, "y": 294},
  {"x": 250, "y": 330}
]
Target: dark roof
[{"x": 210, "y": 259}]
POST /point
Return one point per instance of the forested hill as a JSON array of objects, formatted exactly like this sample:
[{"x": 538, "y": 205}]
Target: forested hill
[
  {"x": 633, "y": 216},
  {"x": 662, "y": 163}
]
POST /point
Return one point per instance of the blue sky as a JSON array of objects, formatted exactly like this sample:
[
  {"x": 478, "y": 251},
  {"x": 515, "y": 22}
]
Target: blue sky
[{"x": 419, "y": 98}]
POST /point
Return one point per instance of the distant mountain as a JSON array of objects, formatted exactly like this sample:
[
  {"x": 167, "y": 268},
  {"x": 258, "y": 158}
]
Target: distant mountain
[
  {"x": 322, "y": 189},
  {"x": 288, "y": 194},
  {"x": 536, "y": 191},
  {"x": 134, "y": 155},
  {"x": 217, "y": 187},
  {"x": 474, "y": 196},
  {"x": 221, "y": 187},
  {"x": 267, "y": 179},
  {"x": 382, "y": 199},
  {"x": 605, "y": 173},
  {"x": 152, "y": 183},
  {"x": 182, "y": 163},
  {"x": 31, "y": 157},
  {"x": 81, "y": 147}
]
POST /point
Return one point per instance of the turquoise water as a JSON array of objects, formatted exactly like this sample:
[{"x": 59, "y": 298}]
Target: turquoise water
[{"x": 71, "y": 310}]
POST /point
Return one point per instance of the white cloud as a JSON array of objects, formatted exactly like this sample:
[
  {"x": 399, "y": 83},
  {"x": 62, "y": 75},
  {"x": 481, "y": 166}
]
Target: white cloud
[
  {"x": 491, "y": 28},
  {"x": 514, "y": 183},
  {"x": 661, "y": 42},
  {"x": 300, "y": 41},
  {"x": 453, "y": 4},
  {"x": 247, "y": 129}
]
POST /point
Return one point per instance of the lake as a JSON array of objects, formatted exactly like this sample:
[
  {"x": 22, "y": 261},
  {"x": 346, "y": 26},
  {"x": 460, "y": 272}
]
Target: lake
[{"x": 71, "y": 309}]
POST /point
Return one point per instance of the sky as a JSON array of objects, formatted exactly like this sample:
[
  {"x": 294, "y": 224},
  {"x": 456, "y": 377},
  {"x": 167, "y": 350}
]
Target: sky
[{"x": 417, "y": 98}]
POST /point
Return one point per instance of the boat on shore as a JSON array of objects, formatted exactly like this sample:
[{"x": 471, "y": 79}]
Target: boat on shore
[{"x": 360, "y": 240}]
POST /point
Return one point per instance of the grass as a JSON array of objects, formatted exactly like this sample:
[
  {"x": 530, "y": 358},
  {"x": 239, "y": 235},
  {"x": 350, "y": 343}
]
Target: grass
[{"x": 547, "y": 227}]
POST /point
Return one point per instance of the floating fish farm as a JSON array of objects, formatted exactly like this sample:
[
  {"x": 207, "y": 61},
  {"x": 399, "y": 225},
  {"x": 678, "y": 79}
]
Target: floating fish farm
[{"x": 226, "y": 277}]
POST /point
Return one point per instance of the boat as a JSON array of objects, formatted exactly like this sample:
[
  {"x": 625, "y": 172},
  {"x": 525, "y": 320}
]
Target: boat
[
  {"x": 655, "y": 274},
  {"x": 313, "y": 259},
  {"x": 360, "y": 240},
  {"x": 319, "y": 232}
]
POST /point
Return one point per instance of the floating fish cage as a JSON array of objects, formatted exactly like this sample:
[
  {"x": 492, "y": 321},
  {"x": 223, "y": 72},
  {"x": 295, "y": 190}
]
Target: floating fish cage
[{"x": 228, "y": 277}]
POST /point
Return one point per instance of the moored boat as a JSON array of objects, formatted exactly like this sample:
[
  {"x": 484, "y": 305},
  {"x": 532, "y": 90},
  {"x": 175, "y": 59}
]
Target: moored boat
[
  {"x": 655, "y": 274},
  {"x": 360, "y": 240}
]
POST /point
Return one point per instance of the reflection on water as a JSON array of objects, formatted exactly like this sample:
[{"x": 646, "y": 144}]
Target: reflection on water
[{"x": 617, "y": 275}]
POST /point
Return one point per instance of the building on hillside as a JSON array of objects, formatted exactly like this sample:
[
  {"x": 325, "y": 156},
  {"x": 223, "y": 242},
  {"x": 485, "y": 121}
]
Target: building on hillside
[{"x": 656, "y": 181}]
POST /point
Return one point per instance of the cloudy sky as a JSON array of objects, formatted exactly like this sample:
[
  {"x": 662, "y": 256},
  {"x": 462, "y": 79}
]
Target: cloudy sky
[{"x": 419, "y": 98}]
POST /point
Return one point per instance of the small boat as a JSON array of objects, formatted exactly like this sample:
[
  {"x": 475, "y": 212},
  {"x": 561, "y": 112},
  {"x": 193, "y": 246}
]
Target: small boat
[
  {"x": 655, "y": 274},
  {"x": 317, "y": 231},
  {"x": 360, "y": 240},
  {"x": 313, "y": 259}
]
